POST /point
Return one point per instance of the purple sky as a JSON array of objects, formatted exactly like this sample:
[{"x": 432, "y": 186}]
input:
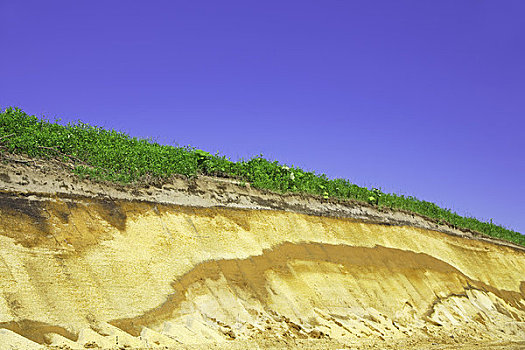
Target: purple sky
[{"x": 425, "y": 98}]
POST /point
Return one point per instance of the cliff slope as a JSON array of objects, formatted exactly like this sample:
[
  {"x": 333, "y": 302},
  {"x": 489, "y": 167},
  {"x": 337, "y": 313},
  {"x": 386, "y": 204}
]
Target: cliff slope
[{"x": 207, "y": 263}]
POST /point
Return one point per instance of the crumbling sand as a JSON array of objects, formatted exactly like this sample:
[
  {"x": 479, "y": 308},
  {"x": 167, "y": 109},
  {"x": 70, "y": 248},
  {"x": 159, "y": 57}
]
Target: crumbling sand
[{"x": 209, "y": 264}]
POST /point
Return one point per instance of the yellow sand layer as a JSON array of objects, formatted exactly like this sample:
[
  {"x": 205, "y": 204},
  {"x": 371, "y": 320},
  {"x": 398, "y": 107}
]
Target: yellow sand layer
[{"x": 84, "y": 270}]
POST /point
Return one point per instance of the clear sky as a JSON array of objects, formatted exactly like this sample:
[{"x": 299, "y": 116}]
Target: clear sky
[{"x": 424, "y": 98}]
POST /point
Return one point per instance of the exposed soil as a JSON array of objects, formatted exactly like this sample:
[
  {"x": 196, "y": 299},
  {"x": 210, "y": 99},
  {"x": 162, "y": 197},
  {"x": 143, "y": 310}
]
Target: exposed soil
[{"x": 207, "y": 263}]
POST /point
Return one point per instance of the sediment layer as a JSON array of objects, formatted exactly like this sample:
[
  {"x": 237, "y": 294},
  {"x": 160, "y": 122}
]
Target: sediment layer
[{"x": 203, "y": 262}]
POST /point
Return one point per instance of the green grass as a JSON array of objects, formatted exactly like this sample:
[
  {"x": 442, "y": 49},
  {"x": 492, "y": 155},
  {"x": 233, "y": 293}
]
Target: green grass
[{"x": 101, "y": 154}]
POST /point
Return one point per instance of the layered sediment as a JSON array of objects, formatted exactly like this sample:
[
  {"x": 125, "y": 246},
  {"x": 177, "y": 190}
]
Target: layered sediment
[{"x": 208, "y": 263}]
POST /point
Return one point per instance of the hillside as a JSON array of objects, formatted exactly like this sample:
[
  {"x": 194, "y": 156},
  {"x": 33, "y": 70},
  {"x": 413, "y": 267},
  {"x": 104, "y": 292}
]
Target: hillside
[
  {"x": 210, "y": 263},
  {"x": 108, "y": 241}
]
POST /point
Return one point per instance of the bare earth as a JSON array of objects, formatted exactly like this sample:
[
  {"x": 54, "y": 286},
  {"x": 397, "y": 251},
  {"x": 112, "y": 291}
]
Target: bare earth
[{"x": 209, "y": 264}]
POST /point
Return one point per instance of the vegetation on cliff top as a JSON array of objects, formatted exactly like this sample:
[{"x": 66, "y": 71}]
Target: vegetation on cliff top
[{"x": 110, "y": 155}]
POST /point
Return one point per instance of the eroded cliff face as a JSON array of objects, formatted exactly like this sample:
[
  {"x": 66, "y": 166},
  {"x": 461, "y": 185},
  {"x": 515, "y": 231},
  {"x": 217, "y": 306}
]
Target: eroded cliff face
[{"x": 146, "y": 268}]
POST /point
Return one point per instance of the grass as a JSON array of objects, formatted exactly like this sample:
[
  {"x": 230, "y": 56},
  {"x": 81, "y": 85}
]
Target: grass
[{"x": 101, "y": 154}]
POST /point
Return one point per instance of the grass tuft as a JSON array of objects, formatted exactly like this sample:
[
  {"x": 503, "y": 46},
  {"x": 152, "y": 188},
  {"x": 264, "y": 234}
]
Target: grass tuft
[{"x": 101, "y": 154}]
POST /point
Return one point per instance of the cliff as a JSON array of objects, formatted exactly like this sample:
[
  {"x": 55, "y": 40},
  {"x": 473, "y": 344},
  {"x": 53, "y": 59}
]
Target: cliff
[{"x": 208, "y": 263}]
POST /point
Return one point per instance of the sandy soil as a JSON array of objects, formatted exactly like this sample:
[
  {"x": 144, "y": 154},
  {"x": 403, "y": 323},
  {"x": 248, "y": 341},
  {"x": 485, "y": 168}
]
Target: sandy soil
[{"x": 207, "y": 263}]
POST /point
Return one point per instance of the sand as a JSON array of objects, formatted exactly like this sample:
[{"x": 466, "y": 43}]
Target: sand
[{"x": 208, "y": 263}]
